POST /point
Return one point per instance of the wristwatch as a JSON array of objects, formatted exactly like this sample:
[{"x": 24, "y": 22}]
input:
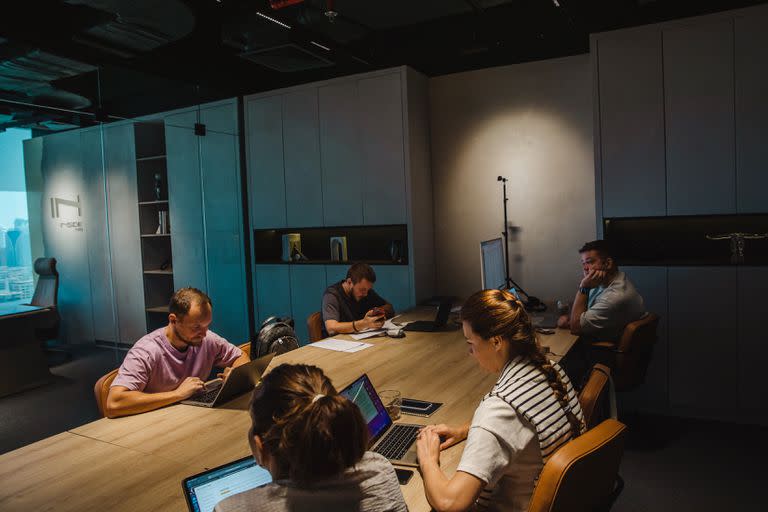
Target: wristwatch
[{"x": 584, "y": 290}]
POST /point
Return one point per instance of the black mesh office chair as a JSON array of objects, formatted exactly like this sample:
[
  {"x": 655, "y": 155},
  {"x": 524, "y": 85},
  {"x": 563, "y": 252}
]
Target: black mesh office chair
[{"x": 46, "y": 295}]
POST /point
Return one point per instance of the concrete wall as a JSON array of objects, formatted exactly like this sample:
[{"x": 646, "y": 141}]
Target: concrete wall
[{"x": 531, "y": 123}]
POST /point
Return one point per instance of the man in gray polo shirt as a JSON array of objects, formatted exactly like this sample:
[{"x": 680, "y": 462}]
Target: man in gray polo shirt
[
  {"x": 351, "y": 305},
  {"x": 606, "y": 300}
]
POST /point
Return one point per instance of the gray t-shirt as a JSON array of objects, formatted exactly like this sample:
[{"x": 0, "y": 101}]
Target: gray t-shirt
[
  {"x": 339, "y": 306},
  {"x": 370, "y": 486},
  {"x": 503, "y": 451},
  {"x": 611, "y": 308}
]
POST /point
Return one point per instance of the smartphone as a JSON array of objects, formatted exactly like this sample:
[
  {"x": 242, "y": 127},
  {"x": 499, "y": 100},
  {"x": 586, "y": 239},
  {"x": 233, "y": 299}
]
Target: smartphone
[
  {"x": 417, "y": 405},
  {"x": 403, "y": 475},
  {"x": 377, "y": 312}
]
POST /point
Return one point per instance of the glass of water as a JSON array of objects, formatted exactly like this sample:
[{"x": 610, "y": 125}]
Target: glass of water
[{"x": 393, "y": 401}]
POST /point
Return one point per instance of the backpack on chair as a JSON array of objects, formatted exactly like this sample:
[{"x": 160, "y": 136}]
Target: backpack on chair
[{"x": 276, "y": 335}]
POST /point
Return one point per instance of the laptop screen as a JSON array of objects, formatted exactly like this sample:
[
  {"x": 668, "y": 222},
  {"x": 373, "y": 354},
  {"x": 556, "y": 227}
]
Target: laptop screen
[
  {"x": 205, "y": 490},
  {"x": 362, "y": 394}
]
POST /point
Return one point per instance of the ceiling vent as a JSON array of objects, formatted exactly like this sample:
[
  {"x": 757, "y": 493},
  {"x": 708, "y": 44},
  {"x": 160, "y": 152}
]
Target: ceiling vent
[{"x": 288, "y": 58}]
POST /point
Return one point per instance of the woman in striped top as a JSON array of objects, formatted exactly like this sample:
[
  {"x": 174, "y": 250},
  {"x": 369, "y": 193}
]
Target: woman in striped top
[{"x": 531, "y": 411}]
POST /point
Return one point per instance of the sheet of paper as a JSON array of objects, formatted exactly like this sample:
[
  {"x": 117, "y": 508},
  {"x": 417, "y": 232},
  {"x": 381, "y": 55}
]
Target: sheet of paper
[
  {"x": 390, "y": 324},
  {"x": 369, "y": 334},
  {"x": 341, "y": 345}
]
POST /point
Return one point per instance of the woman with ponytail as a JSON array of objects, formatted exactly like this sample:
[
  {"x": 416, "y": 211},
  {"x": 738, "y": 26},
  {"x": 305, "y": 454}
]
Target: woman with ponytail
[
  {"x": 531, "y": 411},
  {"x": 313, "y": 441}
]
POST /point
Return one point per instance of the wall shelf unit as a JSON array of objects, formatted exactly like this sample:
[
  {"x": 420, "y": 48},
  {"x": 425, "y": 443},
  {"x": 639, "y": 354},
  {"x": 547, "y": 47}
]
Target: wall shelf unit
[{"x": 154, "y": 221}]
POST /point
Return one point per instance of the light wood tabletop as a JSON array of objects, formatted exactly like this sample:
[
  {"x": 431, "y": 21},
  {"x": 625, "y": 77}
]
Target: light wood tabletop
[{"x": 428, "y": 366}]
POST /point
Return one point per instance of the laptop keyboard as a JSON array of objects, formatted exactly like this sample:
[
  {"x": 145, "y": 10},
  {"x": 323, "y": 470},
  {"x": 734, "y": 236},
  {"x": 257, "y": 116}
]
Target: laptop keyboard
[
  {"x": 206, "y": 397},
  {"x": 397, "y": 441}
]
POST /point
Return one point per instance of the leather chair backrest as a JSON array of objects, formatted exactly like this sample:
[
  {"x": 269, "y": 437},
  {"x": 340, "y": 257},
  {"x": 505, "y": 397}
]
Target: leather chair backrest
[
  {"x": 101, "y": 390},
  {"x": 582, "y": 474},
  {"x": 634, "y": 352},
  {"x": 47, "y": 289},
  {"x": 315, "y": 326},
  {"x": 593, "y": 394},
  {"x": 246, "y": 348}
]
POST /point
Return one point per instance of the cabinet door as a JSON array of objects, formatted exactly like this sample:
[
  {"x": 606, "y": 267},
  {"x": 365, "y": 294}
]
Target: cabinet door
[
  {"x": 753, "y": 340},
  {"x": 184, "y": 205},
  {"x": 632, "y": 124},
  {"x": 382, "y": 150},
  {"x": 703, "y": 374},
  {"x": 699, "y": 105},
  {"x": 751, "y": 113},
  {"x": 97, "y": 233},
  {"x": 393, "y": 283},
  {"x": 653, "y": 395},
  {"x": 220, "y": 118},
  {"x": 127, "y": 273},
  {"x": 266, "y": 176},
  {"x": 307, "y": 287},
  {"x": 335, "y": 273},
  {"x": 273, "y": 291},
  {"x": 303, "y": 183},
  {"x": 340, "y": 152},
  {"x": 223, "y": 234}
]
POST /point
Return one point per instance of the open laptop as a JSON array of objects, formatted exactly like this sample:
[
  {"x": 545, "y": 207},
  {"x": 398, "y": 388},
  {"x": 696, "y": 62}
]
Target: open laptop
[
  {"x": 204, "y": 490},
  {"x": 241, "y": 380},
  {"x": 443, "y": 311},
  {"x": 394, "y": 441}
]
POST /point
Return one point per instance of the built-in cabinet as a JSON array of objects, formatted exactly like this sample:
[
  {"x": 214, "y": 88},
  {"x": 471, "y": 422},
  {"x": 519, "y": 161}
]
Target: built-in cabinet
[
  {"x": 340, "y": 153},
  {"x": 680, "y": 110}
]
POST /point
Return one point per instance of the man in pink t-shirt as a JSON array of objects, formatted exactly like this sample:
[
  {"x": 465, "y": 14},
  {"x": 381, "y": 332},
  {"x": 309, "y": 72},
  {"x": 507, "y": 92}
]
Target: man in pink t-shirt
[{"x": 171, "y": 364}]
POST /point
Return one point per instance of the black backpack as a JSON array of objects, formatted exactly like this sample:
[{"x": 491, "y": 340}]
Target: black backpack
[{"x": 275, "y": 336}]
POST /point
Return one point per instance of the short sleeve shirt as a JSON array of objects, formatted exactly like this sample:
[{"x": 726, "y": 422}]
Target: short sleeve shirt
[
  {"x": 611, "y": 308},
  {"x": 153, "y": 365},
  {"x": 502, "y": 450},
  {"x": 339, "y": 306}
]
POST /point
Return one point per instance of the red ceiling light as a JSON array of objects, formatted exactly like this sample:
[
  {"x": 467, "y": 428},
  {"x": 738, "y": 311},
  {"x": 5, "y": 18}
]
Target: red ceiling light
[{"x": 279, "y": 4}]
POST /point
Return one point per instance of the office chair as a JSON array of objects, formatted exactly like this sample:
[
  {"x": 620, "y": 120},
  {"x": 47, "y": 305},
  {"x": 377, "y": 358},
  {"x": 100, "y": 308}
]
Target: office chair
[
  {"x": 630, "y": 356},
  {"x": 48, "y": 322},
  {"x": 583, "y": 474},
  {"x": 596, "y": 397},
  {"x": 315, "y": 326}
]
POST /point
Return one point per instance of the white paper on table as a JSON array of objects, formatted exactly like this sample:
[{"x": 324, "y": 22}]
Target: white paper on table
[
  {"x": 369, "y": 334},
  {"x": 341, "y": 345},
  {"x": 389, "y": 324}
]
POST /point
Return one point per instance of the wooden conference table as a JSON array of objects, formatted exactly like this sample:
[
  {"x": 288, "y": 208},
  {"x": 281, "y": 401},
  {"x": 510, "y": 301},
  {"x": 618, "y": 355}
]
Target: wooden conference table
[{"x": 138, "y": 462}]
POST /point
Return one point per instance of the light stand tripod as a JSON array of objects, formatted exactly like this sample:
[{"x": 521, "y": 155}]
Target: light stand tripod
[{"x": 531, "y": 303}]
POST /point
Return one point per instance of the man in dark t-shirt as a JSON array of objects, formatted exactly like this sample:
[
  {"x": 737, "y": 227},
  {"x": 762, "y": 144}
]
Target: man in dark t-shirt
[{"x": 351, "y": 305}]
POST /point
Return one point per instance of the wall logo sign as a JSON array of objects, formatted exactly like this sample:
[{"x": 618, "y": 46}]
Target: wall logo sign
[{"x": 57, "y": 203}]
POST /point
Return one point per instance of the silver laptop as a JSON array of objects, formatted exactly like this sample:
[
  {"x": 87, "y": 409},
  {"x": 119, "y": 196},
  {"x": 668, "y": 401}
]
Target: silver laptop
[
  {"x": 394, "y": 441},
  {"x": 241, "y": 380}
]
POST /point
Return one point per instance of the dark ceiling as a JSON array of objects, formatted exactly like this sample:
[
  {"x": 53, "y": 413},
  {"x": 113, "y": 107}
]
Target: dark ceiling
[{"x": 123, "y": 58}]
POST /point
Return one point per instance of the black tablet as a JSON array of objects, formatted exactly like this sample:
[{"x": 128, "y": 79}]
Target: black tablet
[{"x": 204, "y": 490}]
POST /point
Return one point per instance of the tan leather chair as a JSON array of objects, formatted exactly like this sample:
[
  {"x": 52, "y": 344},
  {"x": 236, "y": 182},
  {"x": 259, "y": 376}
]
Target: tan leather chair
[
  {"x": 583, "y": 474},
  {"x": 246, "y": 348},
  {"x": 629, "y": 358},
  {"x": 315, "y": 326},
  {"x": 593, "y": 395},
  {"x": 101, "y": 390}
]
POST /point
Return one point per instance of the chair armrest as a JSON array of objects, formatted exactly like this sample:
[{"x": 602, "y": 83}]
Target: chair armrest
[{"x": 607, "y": 345}]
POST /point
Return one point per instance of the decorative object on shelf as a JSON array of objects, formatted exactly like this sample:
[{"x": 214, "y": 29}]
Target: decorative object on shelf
[
  {"x": 158, "y": 186},
  {"x": 396, "y": 251},
  {"x": 165, "y": 265},
  {"x": 339, "y": 248},
  {"x": 162, "y": 219},
  {"x": 291, "y": 246},
  {"x": 738, "y": 243}
]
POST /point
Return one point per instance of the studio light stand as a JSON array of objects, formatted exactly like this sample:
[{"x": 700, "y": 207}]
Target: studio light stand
[{"x": 531, "y": 303}]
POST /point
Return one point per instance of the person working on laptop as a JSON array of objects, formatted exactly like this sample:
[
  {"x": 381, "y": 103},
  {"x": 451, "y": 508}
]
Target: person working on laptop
[
  {"x": 531, "y": 411},
  {"x": 313, "y": 441},
  {"x": 170, "y": 364},
  {"x": 606, "y": 300},
  {"x": 351, "y": 305}
]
